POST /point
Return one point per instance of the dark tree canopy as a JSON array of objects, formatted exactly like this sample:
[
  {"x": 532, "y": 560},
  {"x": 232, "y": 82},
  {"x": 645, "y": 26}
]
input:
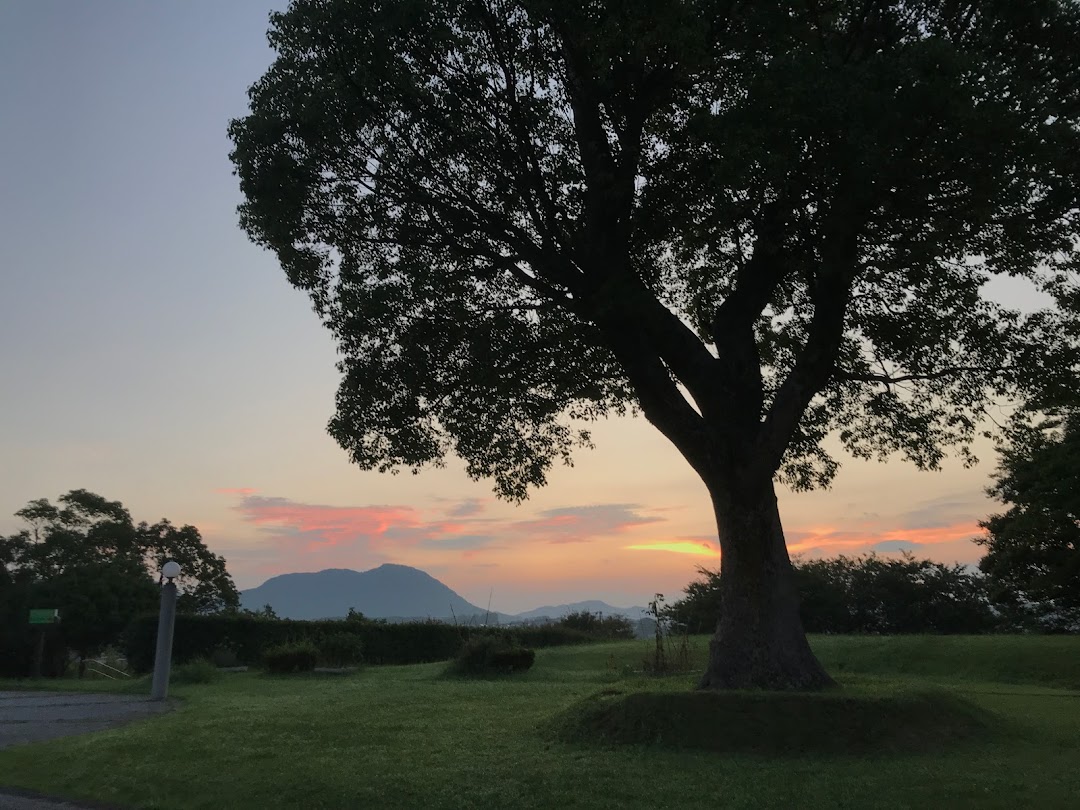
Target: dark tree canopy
[
  {"x": 761, "y": 223},
  {"x": 864, "y": 594},
  {"x": 1033, "y": 549}
]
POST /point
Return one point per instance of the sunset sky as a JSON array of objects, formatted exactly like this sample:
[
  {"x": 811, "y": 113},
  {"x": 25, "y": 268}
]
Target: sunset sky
[{"x": 150, "y": 353}]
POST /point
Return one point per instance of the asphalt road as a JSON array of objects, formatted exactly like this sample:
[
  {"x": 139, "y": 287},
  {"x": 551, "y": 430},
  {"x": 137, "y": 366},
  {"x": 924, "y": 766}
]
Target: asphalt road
[{"x": 33, "y": 716}]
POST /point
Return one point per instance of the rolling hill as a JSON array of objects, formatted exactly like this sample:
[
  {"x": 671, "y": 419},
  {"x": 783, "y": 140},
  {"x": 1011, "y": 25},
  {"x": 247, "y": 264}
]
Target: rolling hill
[{"x": 389, "y": 591}]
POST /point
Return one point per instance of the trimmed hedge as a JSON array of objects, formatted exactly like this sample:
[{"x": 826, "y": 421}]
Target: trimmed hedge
[
  {"x": 550, "y": 635},
  {"x": 248, "y": 636},
  {"x": 490, "y": 654},
  {"x": 284, "y": 659},
  {"x": 341, "y": 649}
]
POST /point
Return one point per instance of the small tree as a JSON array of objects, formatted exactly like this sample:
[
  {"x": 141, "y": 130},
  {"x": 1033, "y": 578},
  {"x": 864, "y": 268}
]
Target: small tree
[
  {"x": 757, "y": 223},
  {"x": 265, "y": 612},
  {"x": 204, "y": 584},
  {"x": 1033, "y": 549}
]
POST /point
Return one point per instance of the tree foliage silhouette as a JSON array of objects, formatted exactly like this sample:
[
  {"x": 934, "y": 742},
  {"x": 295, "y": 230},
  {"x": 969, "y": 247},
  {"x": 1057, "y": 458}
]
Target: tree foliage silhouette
[{"x": 1033, "y": 548}]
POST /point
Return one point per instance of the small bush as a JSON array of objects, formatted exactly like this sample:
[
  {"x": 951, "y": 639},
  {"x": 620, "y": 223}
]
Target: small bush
[
  {"x": 197, "y": 671},
  {"x": 515, "y": 659},
  {"x": 298, "y": 656},
  {"x": 491, "y": 655},
  {"x": 341, "y": 649},
  {"x": 599, "y": 625},
  {"x": 224, "y": 657}
]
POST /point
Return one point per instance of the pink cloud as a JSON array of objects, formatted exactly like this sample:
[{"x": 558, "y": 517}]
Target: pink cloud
[
  {"x": 332, "y": 524},
  {"x": 470, "y": 507},
  {"x": 605, "y": 543},
  {"x": 379, "y": 526},
  {"x": 305, "y": 536},
  {"x": 579, "y": 524}
]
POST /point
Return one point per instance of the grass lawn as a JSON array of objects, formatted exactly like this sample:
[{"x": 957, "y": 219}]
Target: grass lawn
[{"x": 409, "y": 737}]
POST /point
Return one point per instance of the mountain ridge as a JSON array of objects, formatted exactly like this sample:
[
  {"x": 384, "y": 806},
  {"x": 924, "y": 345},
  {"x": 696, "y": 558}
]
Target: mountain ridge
[{"x": 391, "y": 591}]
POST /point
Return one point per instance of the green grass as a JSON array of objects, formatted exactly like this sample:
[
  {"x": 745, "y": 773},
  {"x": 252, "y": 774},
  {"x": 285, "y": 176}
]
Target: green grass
[
  {"x": 409, "y": 737},
  {"x": 1043, "y": 660}
]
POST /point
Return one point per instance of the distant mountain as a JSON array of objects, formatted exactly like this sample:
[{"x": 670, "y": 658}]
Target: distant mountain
[
  {"x": 388, "y": 591},
  {"x": 590, "y": 606},
  {"x": 392, "y": 592}
]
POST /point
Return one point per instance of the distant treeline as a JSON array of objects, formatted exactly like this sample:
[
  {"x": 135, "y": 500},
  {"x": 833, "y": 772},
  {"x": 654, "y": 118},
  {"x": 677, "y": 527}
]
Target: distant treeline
[{"x": 883, "y": 595}]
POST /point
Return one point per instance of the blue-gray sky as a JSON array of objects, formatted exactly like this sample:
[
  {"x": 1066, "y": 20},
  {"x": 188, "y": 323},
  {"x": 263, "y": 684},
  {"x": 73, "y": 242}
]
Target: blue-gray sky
[
  {"x": 150, "y": 353},
  {"x": 135, "y": 317}
]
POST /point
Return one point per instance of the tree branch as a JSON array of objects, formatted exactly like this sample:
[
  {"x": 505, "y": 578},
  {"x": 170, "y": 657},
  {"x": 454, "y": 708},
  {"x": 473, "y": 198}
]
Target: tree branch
[
  {"x": 660, "y": 399},
  {"x": 888, "y": 380},
  {"x": 742, "y": 387},
  {"x": 830, "y": 294}
]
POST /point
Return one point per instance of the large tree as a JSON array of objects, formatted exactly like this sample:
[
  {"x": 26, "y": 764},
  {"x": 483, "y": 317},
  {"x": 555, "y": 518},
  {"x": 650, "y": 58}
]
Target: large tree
[
  {"x": 1033, "y": 548},
  {"x": 757, "y": 223}
]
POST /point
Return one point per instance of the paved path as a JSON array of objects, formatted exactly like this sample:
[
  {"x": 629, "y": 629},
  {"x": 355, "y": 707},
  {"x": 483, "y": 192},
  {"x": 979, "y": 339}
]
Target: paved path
[
  {"x": 32, "y": 716},
  {"x": 31, "y": 801}
]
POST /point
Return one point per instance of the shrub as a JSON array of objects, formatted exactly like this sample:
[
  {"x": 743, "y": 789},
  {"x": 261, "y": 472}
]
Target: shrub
[
  {"x": 514, "y": 659},
  {"x": 341, "y": 649},
  {"x": 598, "y": 625},
  {"x": 198, "y": 671},
  {"x": 298, "y": 656},
  {"x": 224, "y": 657},
  {"x": 487, "y": 655}
]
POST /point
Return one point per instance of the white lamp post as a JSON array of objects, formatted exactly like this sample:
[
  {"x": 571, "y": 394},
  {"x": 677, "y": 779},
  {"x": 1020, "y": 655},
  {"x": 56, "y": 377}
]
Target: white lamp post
[{"x": 159, "y": 689}]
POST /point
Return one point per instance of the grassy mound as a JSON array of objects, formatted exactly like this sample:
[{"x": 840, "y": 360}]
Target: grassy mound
[{"x": 792, "y": 723}]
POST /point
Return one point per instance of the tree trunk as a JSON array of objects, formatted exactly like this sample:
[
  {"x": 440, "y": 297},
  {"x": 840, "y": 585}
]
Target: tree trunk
[{"x": 760, "y": 642}]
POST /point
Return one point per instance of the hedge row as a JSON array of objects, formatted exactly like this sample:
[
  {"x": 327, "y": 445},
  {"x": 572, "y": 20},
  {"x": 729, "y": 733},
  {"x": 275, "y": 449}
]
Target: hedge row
[{"x": 248, "y": 636}]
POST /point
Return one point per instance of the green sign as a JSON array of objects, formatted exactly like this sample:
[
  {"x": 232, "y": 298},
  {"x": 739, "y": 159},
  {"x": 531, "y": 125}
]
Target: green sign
[{"x": 44, "y": 615}]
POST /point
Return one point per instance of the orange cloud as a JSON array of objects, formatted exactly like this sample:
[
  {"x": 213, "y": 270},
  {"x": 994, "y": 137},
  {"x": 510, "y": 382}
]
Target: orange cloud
[
  {"x": 697, "y": 548},
  {"x": 833, "y": 539}
]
